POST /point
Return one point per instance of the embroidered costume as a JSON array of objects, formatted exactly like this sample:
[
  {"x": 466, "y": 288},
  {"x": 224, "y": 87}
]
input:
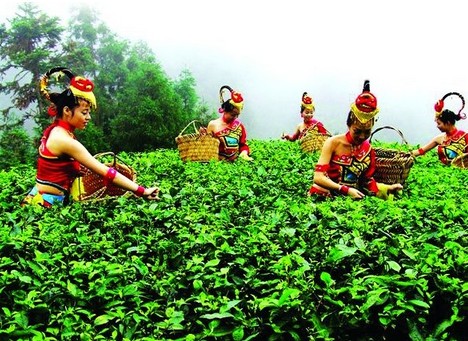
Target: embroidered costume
[
  {"x": 455, "y": 144},
  {"x": 55, "y": 171},
  {"x": 310, "y": 124},
  {"x": 354, "y": 170},
  {"x": 232, "y": 141},
  {"x": 52, "y": 170},
  {"x": 35, "y": 197},
  {"x": 233, "y": 138}
]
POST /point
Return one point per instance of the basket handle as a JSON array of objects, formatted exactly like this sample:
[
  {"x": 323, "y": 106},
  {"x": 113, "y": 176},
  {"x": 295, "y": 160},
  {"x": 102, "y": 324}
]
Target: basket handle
[
  {"x": 115, "y": 157},
  {"x": 193, "y": 124},
  {"x": 100, "y": 155},
  {"x": 389, "y": 127}
]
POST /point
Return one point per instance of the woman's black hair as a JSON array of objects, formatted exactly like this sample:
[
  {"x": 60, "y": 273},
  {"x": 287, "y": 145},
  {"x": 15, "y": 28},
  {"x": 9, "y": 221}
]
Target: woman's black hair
[
  {"x": 227, "y": 106},
  {"x": 62, "y": 100},
  {"x": 448, "y": 116},
  {"x": 350, "y": 120}
]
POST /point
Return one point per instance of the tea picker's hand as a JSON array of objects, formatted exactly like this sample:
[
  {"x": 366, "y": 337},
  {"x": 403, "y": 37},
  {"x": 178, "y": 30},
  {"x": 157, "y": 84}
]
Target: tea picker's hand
[
  {"x": 245, "y": 156},
  {"x": 151, "y": 193}
]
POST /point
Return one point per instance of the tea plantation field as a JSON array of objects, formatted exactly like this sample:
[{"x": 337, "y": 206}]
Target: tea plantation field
[{"x": 237, "y": 251}]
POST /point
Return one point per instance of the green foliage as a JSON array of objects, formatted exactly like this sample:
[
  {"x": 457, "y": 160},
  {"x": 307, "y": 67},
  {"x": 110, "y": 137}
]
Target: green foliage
[
  {"x": 93, "y": 138},
  {"x": 149, "y": 113},
  {"x": 237, "y": 251},
  {"x": 184, "y": 86},
  {"x": 16, "y": 148},
  {"x": 139, "y": 107},
  {"x": 28, "y": 45}
]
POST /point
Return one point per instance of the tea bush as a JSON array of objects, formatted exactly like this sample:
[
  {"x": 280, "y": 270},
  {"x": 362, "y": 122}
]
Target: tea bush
[{"x": 237, "y": 251}]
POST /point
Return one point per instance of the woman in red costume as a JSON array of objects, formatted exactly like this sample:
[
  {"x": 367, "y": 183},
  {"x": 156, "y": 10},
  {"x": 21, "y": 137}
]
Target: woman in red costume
[
  {"x": 60, "y": 153},
  {"x": 452, "y": 142},
  {"x": 228, "y": 129},
  {"x": 347, "y": 162},
  {"x": 309, "y": 123}
]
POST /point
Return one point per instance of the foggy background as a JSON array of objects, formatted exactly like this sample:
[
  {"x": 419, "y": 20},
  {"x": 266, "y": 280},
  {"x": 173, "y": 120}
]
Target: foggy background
[{"x": 272, "y": 52}]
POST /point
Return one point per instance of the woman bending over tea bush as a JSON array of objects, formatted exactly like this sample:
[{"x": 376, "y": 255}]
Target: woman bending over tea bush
[
  {"x": 347, "y": 162},
  {"x": 61, "y": 154}
]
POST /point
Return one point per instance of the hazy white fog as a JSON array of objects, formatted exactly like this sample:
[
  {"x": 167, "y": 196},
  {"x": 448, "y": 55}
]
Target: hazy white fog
[{"x": 273, "y": 51}]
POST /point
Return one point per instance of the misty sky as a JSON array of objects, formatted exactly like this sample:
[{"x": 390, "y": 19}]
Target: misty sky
[{"x": 271, "y": 52}]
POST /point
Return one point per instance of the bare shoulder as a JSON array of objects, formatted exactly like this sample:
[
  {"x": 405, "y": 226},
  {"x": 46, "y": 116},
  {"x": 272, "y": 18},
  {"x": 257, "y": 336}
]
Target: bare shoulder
[
  {"x": 213, "y": 125},
  {"x": 439, "y": 139},
  {"x": 58, "y": 140},
  {"x": 336, "y": 140}
]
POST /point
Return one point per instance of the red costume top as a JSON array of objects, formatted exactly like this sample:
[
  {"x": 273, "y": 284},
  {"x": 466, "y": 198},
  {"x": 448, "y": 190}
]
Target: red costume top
[
  {"x": 455, "y": 144},
  {"x": 52, "y": 170},
  {"x": 354, "y": 170},
  {"x": 313, "y": 124},
  {"x": 233, "y": 141}
]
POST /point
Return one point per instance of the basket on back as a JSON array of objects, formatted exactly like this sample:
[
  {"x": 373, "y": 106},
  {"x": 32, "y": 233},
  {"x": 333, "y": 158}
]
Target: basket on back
[
  {"x": 91, "y": 185},
  {"x": 196, "y": 146},
  {"x": 313, "y": 141},
  {"x": 392, "y": 166}
]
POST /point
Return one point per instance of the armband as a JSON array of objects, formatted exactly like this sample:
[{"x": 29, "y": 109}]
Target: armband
[
  {"x": 421, "y": 151},
  {"x": 139, "y": 191},
  {"x": 110, "y": 176},
  {"x": 322, "y": 168},
  {"x": 344, "y": 189}
]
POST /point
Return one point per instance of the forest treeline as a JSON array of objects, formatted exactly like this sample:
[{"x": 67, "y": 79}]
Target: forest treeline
[{"x": 140, "y": 107}]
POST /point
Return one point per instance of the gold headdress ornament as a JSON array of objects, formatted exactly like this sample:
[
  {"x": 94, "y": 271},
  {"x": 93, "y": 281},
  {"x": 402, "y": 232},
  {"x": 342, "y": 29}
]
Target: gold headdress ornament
[
  {"x": 307, "y": 102},
  {"x": 439, "y": 106},
  {"x": 364, "y": 107},
  {"x": 79, "y": 86},
  {"x": 236, "y": 98}
]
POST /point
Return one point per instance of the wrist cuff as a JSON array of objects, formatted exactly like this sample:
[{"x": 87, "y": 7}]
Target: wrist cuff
[
  {"x": 139, "y": 191},
  {"x": 344, "y": 189},
  {"x": 322, "y": 168},
  {"x": 421, "y": 151},
  {"x": 110, "y": 176}
]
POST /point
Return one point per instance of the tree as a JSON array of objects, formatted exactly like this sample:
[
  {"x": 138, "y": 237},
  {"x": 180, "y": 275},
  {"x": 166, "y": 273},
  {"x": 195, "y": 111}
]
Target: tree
[
  {"x": 104, "y": 60},
  {"x": 27, "y": 48},
  {"x": 184, "y": 86},
  {"x": 149, "y": 112},
  {"x": 139, "y": 107},
  {"x": 15, "y": 147}
]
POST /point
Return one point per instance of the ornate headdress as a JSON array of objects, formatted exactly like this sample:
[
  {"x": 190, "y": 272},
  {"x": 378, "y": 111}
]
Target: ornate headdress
[
  {"x": 307, "y": 102},
  {"x": 439, "y": 106},
  {"x": 79, "y": 86},
  {"x": 364, "y": 107},
  {"x": 236, "y": 98}
]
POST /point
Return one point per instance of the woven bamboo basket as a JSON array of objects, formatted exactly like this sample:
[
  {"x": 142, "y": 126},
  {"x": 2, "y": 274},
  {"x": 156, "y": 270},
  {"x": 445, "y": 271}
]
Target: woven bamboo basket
[
  {"x": 90, "y": 186},
  {"x": 392, "y": 166},
  {"x": 313, "y": 141},
  {"x": 461, "y": 161},
  {"x": 196, "y": 146}
]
